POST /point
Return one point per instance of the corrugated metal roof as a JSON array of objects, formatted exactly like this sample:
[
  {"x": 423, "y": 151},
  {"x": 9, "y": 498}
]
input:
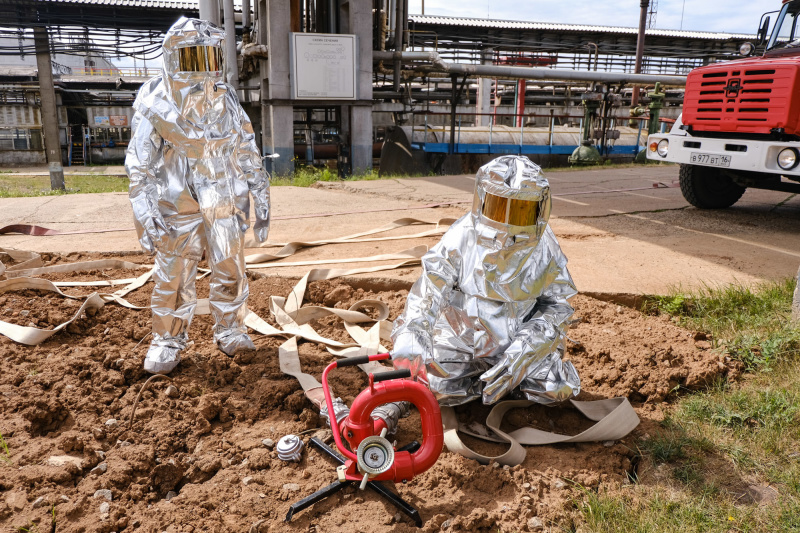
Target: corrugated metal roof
[
  {"x": 554, "y": 26},
  {"x": 157, "y": 4}
]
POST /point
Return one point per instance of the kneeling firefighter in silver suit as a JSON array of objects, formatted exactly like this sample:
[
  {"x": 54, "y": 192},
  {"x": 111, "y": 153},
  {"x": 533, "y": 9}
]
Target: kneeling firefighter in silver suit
[
  {"x": 488, "y": 316},
  {"x": 192, "y": 163}
]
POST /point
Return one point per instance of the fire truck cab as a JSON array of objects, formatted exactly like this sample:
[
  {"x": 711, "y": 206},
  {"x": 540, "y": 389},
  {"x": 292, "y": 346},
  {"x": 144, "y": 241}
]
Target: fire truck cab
[{"x": 740, "y": 125}]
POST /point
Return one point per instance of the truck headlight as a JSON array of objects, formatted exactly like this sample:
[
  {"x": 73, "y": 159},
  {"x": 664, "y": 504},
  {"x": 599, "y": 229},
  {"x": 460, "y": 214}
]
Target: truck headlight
[
  {"x": 746, "y": 49},
  {"x": 788, "y": 159},
  {"x": 663, "y": 148}
]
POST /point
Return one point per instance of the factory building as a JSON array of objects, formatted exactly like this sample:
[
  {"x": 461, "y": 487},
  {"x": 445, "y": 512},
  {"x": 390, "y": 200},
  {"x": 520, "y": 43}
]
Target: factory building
[{"x": 328, "y": 81}]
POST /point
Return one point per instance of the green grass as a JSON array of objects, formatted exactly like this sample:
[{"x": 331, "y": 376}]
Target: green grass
[
  {"x": 5, "y": 454},
  {"x": 699, "y": 465},
  {"x": 16, "y": 186},
  {"x": 753, "y": 325},
  {"x": 305, "y": 176}
]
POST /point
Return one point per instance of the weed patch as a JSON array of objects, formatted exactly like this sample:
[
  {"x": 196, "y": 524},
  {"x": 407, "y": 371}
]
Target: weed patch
[
  {"x": 5, "y": 454},
  {"x": 751, "y": 324},
  {"x": 17, "y": 186}
]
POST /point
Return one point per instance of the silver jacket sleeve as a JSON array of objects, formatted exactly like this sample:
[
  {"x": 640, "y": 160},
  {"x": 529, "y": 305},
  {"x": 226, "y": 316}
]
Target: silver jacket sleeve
[
  {"x": 257, "y": 178},
  {"x": 535, "y": 353},
  {"x": 413, "y": 330},
  {"x": 143, "y": 152}
]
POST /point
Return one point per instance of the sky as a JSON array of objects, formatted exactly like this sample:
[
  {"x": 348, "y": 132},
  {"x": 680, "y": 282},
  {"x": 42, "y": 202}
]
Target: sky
[{"x": 733, "y": 16}]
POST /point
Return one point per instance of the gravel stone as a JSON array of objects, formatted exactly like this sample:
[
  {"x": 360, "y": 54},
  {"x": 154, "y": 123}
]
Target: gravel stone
[
  {"x": 535, "y": 524},
  {"x": 104, "y": 493}
]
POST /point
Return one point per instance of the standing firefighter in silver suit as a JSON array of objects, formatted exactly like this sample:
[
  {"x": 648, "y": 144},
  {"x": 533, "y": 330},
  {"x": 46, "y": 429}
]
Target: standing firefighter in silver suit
[
  {"x": 488, "y": 316},
  {"x": 192, "y": 164}
]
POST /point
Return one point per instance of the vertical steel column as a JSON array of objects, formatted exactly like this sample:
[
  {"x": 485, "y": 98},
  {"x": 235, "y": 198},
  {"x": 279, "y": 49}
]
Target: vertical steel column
[
  {"x": 245, "y": 22},
  {"x": 232, "y": 65},
  {"x": 398, "y": 41},
  {"x": 522, "y": 88},
  {"x": 640, "y": 48},
  {"x": 47, "y": 93},
  {"x": 355, "y": 17},
  {"x": 277, "y": 119},
  {"x": 483, "y": 103},
  {"x": 209, "y": 10}
]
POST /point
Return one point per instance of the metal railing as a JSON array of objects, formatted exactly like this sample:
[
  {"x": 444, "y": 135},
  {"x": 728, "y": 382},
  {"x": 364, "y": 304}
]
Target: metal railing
[
  {"x": 142, "y": 72},
  {"x": 455, "y": 146}
]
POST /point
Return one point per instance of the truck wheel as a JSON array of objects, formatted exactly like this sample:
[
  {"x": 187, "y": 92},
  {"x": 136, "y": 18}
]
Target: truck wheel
[{"x": 708, "y": 188}]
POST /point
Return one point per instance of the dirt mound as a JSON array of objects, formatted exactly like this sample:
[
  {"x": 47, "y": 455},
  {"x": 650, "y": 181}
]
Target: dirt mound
[{"x": 199, "y": 454}]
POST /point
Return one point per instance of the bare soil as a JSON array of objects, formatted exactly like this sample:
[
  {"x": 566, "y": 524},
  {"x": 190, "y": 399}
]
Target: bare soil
[{"x": 195, "y": 458}]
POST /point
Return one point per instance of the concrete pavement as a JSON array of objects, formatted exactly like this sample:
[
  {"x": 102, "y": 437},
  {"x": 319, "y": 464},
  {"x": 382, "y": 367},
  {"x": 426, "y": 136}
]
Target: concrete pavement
[{"x": 620, "y": 233}]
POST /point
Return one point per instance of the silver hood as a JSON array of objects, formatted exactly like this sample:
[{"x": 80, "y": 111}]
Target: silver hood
[{"x": 488, "y": 315}]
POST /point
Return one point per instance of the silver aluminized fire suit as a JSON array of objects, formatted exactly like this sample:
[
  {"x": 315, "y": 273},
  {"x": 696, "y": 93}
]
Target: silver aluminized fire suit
[
  {"x": 192, "y": 163},
  {"x": 489, "y": 314}
]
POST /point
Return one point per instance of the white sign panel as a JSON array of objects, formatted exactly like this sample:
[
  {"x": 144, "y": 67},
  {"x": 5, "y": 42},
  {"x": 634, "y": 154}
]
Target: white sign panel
[{"x": 323, "y": 66}]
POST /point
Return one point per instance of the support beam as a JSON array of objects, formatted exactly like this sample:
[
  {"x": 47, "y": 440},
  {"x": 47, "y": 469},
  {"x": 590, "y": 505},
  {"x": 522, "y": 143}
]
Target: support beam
[
  {"x": 483, "y": 103},
  {"x": 231, "y": 63},
  {"x": 356, "y": 17},
  {"x": 209, "y": 10},
  {"x": 47, "y": 93},
  {"x": 522, "y": 88},
  {"x": 277, "y": 120},
  {"x": 399, "y": 38}
]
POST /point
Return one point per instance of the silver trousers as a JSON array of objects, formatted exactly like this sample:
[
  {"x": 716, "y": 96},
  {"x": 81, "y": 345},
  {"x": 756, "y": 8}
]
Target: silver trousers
[{"x": 174, "y": 298}]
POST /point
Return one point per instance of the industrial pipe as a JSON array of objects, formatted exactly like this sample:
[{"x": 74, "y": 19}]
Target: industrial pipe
[
  {"x": 505, "y": 72},
  {"x": 644, "y": 4}
]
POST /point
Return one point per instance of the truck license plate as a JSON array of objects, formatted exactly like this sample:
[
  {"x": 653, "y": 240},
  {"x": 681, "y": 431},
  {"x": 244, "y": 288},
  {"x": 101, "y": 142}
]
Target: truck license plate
[{"x": 710, "y": 160}]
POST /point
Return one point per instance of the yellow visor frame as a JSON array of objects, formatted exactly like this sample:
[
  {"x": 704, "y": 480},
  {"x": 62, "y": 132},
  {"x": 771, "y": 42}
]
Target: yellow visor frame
[
  {"x": 510, "y": 211},
  {"x": 200, "y": 59}
]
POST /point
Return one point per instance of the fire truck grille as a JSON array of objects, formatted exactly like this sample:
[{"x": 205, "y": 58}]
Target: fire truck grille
[{"x": 742, "y": 100}]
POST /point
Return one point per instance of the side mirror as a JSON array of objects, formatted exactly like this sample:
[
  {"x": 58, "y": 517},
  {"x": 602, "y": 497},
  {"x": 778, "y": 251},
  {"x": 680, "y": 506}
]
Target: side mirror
[{"x": 762, "y": 32}]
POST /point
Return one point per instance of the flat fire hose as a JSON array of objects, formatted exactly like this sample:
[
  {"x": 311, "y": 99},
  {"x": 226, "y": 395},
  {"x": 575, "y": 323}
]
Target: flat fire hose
[
  {"x": 614, "y": 419},
  {"x": 30, "y": 264}
]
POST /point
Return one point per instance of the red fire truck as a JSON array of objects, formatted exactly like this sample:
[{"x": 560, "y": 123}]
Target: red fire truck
[{"x": 740, "y": 125}]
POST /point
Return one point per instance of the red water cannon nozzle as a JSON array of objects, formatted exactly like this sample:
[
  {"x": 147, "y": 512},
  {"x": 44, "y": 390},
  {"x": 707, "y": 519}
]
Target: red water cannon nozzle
[{"x": 375, "y": 457}]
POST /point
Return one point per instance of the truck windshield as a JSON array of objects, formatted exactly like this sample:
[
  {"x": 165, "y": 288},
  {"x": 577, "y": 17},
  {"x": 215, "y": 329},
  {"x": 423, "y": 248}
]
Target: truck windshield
[{"x": 785, "y": 34}]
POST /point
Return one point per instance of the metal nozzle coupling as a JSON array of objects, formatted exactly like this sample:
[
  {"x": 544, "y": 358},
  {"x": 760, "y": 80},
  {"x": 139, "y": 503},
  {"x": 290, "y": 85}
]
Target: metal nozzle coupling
[
  {"x": 340, "y": 411},
  {"x": 391, "y": 413},
  {"x": 290, "y": 448}
]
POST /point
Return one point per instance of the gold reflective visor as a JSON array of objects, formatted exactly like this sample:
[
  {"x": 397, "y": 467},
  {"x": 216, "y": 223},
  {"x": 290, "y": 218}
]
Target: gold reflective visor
[
  {"x": 199, "y": 59},
  {"x": 510, "y": 211}
]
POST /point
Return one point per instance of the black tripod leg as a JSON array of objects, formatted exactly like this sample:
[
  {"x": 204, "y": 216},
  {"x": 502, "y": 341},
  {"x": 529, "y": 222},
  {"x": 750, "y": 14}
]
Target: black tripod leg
[
  {"x": 396, "y": 500},
  {"x": 327, "y": 450},
  {"x": 321, "y": 494},
  {"x": 378, "y": 487}
]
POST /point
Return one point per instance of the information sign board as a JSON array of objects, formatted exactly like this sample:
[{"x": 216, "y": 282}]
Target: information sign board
[{"x": 323, "y": 66}]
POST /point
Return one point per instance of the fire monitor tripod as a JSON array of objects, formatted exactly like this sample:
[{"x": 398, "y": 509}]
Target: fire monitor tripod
[{"x": 336, "y": 486}]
